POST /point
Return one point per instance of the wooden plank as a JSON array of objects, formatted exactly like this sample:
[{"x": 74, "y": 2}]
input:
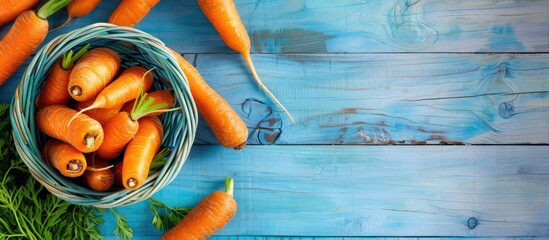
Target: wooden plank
[
  {"x": 444, "y": 191},
  {"x": 386, "y": 98},
  {"x": 289, "y": 26}
]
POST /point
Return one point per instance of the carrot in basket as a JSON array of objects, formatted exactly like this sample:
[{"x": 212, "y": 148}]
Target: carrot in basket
[
  {"x": 84, "y": 133},
  {"x": 210, "y": 215},
  {"x": 55, "y": 86},
  {"x": 158, "y": 161},
  {"x": 102, "y": 115},
  {"x": 62, "y": 156},
  {"x": 92, "y": 73},
  {"x": 130, "y": 12},
  {"x": 78, "y": 8},
  {"x": 99, "y": 176},
  {"x": 225, "y": 19},
  {"x": 11, "y": 9},
  {"x": 140, "y": 152},
  {"x": 229, "y": 129},
  {"x": 25, "y": 35},
  {"x": 123, "y": 127},
  {"x": 159, "y": 96}
]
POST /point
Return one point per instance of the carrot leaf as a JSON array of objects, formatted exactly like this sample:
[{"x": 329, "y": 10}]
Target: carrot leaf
[
  {"x": 69, "y": 58},
  {"x": 51, "y": 7},
  {"x": 122, "y": 229},
  {"x": 229, "y": 186},
  {"x": 166, "y": 217},
  {"x": 159, "y": 160}
]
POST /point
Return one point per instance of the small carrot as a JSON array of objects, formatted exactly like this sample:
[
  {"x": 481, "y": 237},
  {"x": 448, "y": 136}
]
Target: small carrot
[
  {"x": 210, "y": 215},
  {"x": 62, "y": 156},
  {"x": 78, "y": 8},
  {"x": 225, "y": 19},
  {"x": 27, "y": 33},
  {"x": 92, "y": 73},
  {"x": 158, "y": 161},
  {"x": 130, "y": 12},
  {"x": 84, "y": 133},
  {"x": 140, "y": 152},
  {"x": 159, "y": 96},
  {"x": 99, "y": 176},
  {"x": 227, "y": 126},
  {"x": 11, "y": 9},
  {"x": 55, "y": 86},
  {"x": 102, "y": 115}
]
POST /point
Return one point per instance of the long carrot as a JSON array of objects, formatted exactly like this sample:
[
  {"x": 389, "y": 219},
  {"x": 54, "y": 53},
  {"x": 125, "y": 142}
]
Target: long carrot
[
  {"x": 92, "y": 73},
  {"x": 130, "y": 12},
  {"x": 78, "y": 8},
  {"x": 99, "y": 176},
  {"x": 227, "y": 126},
  {"x": 26, "y": 34},
  {"x": 159, "y": 96},
  {"x": 84, "y": 133},
  {"x": 11, "y": 9},
  {"x": 55, "y": 86},
  {"x": 102, "y": 115},
  {"x": 140, "y": 152},
  {"x": 225, "y": 19},
  {"x": 62, "y": 156},
  {"x": 123, "y": 127},
  {"x": 210, "y": 215}
]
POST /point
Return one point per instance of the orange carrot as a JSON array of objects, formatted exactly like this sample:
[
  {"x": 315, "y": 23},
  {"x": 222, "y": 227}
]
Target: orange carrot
[
  {"x": 159, "y": 96},
  {"x": 55, "y": 86},
  {"x": 130, "y": 12},
  {"x": 158, "y": 161},
  {"x": 11, "y": 9},
  {"x": 140, "y": 152},
  {"x": 102, "y": 115},
  {"x": 117, "y": 169},
  {"x": 84, "y": 133},
  {"x": 126, "y": 87},
  {"x": 211, "y": 214},
  {"x": 99, "y": 176},
  {"x": 225, "y": 19},
  {"x": 227, "y": 126},
  {"x": 78, "y": 8},
  {"x": 26, "y": 34},
  {"x": 92, "y": 73},
  {"x": 62, "y": 156}
]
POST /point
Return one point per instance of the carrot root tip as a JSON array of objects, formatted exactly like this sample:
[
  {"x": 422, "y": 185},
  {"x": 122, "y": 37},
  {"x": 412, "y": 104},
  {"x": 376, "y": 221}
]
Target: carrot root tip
[
  {"x": 132, "y": 182},
  {"x": 240, "y": 146},
  {"x": 76, "y": 90},
  {"x": 75, "y": 165},
  {"x": 89, "y": 140}
]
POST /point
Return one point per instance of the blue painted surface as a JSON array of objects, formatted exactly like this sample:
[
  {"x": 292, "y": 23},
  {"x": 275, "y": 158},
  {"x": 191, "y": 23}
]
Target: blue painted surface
[{"x": 368, "y": 73}]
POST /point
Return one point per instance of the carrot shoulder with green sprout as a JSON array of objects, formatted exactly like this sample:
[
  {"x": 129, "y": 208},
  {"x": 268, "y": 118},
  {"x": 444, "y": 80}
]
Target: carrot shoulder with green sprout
[
  {"x": 26, "y": 34},
  {"x": 225, "y": 19}
]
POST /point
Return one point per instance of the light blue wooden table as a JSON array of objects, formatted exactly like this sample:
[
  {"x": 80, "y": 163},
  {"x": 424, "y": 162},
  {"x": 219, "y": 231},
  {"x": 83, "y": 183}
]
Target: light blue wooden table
[{"x": 414, "y": 118}]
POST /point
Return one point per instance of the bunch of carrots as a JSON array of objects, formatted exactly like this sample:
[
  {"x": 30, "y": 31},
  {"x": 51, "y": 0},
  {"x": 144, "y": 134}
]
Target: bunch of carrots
[{"x": 98, "y": 115}]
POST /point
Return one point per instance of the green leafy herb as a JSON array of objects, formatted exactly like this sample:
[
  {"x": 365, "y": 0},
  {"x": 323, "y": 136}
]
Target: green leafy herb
[
  {"x": 166, "y": 217},
  {"x": 123, "y": 230}
]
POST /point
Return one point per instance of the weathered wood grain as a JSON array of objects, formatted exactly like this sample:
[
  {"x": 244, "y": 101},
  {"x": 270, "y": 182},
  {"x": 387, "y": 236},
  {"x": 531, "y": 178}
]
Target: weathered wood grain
[
  {"x": 290, "y": 26},
  {"x": 468, "y": 191},
  {"x": 387, "y": 98}
]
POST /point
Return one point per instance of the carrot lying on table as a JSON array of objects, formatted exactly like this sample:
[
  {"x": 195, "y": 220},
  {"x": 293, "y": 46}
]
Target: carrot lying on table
[
  {"x": 130, "y": 12},
  {"x": 93, "y": 72},
  {"x": 84, "y": 133},
  {"x": 62, "y": 156},
  {"x": 54, "y": 90},
  {"x": 227, "y": 126},
  {"x": 78, "y": 8},
  {"x": 225, "y": 19},
  {"x": 207, "y": 217},
  {"x": 11, "y": 9},
  {"x": 27, "y": 33}
]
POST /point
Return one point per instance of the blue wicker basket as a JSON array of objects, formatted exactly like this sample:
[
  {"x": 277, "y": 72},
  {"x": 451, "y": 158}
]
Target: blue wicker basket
[{"x": 136, "y": 48}]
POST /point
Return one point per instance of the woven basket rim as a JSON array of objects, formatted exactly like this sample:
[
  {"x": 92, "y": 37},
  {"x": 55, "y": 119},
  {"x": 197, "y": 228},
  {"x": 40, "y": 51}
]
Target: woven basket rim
[{"x": 180, "y": 127}]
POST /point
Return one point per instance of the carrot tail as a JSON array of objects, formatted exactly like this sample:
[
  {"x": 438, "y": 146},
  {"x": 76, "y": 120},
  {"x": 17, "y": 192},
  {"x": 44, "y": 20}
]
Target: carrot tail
[
  {"x": 69, "y": 18},
  {"x": 248, "y": 60}
]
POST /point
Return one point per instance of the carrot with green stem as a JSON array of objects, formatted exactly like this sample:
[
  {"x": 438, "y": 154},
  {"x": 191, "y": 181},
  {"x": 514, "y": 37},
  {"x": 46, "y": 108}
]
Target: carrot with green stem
[
  {"x": 227, "y": 126},
  {"x": 225, "y": 19},
  {"x": 54, "y": 90},
  {"x": 140, "y": 152},
  {"x": 130, "y": 12},
  {"x": 93, "y": 72},
  {"x": 83, "y": 133},
  {"x": 11, "y": 9},
  {"x": 27, "y": 33},
  {"x": 62, "y": 156},
  {"x": 78, "y": 8},
  {"x": 159, "y": 96},
  {"x": 210, "y": 215}
]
